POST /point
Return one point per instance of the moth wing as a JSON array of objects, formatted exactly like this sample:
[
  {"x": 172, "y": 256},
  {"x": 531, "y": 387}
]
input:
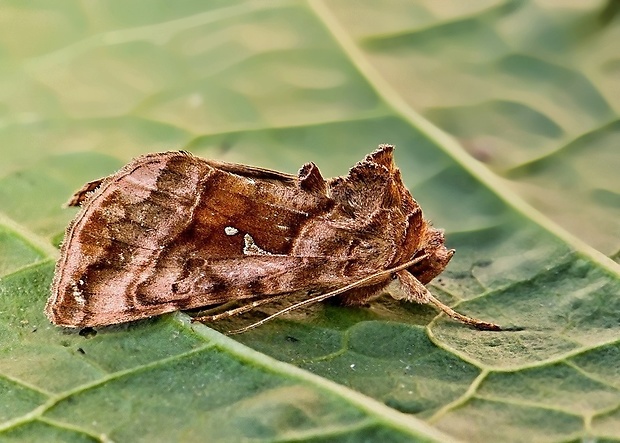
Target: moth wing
[
  {"x": 251, "y": 171},
  {"x": 217, "y": 281},
  {"x": 167, "y": 230},
  {"x": 84, "y": 192}
]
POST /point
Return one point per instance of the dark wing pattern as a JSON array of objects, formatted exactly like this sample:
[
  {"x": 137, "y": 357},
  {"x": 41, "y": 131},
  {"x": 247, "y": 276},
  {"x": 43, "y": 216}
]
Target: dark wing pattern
[{"x": 171, "y": 231}]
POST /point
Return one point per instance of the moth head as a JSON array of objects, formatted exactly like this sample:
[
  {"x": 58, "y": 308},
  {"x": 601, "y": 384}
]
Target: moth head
[{"x": 436, "y": 261}]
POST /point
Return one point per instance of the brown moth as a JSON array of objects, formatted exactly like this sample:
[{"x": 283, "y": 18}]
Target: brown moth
[{"x": 171, "y": 231}]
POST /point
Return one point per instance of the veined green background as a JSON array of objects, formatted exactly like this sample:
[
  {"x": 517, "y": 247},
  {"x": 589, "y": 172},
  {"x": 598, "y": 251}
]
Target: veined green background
[{"x": 505, "y": 118}]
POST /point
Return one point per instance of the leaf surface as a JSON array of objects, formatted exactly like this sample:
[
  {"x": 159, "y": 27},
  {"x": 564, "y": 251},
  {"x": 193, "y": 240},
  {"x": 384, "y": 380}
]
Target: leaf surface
[{"x": 526, "y": 190}]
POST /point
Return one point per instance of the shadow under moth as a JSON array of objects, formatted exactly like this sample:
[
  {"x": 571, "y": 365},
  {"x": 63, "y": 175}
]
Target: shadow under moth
[{"x": 171, "y": 231}]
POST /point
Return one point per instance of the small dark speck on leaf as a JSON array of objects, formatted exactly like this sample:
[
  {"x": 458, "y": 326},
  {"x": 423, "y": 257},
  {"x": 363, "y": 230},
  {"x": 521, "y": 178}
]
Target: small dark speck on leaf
[
  {"x": 81, "y": 351},
  {"x": 481, "y": 150},
  {"x": 483, "y": 263},
  {"x": 88, "y": 332},
  {"x": 460, "y": 275},
  {"x": 514, "y": 329},
  {"x": 291, "y": 339}
]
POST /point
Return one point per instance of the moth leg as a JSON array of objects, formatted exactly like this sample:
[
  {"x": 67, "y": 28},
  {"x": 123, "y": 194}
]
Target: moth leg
[
  {"x": 240, "y": 310},
  {"x": 413, "y": 290}
]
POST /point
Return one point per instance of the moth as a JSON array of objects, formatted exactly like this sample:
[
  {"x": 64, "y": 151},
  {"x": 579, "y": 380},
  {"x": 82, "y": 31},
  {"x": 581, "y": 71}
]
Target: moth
[{"x": 171, "y": 231}]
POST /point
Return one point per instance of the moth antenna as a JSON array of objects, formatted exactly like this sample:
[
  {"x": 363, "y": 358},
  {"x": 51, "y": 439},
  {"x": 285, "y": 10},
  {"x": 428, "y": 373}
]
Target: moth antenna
[
  {"x": 327, "y": 295},
  {"x": 239, "y": 310}
]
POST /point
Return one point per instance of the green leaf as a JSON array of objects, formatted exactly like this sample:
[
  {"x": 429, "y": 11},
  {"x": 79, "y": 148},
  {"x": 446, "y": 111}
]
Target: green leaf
[{"x": 526, "y": 190}]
